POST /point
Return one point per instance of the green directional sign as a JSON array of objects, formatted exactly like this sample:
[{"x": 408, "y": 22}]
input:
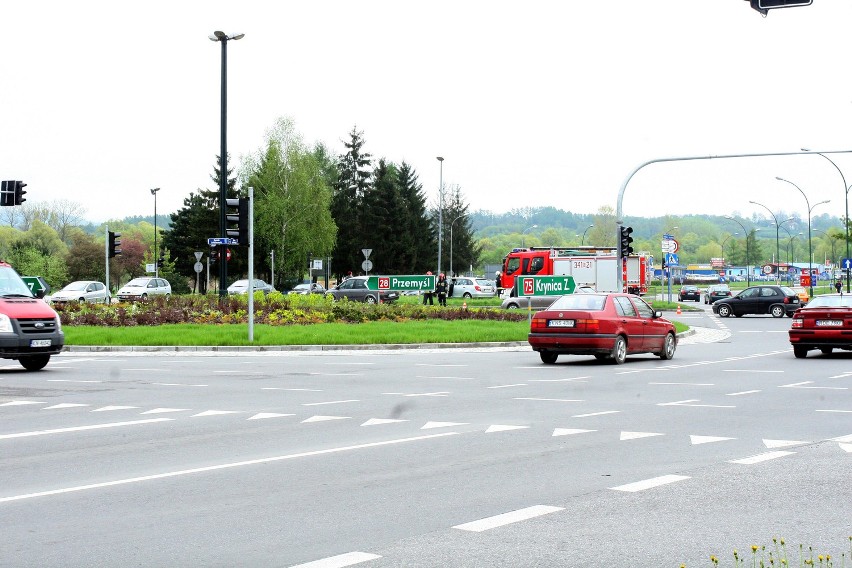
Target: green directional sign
[
  {"x": 421, "y": 282},
  {"x": 545, "y": 285},
  {"x": 36, "y": 284}
]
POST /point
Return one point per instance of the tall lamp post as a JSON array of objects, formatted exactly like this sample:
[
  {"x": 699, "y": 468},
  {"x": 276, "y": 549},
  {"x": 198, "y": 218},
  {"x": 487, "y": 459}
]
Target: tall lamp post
[
  {"x": 156, "y": 262},
  {"x": 748, "y": 256},
  {"x": 846, "y": 189},
  {"x": 440, "y": 209},
  {"x": 224, "y": 38},
  {"x": 810, "y": 243},
  {"x": 525, "y": 231},
  {"x": 451, "y": 243},
  {"x": 833, "y": 243},
  {"x": 777, "y": 241},
  {"x": 583, "y": 242}
]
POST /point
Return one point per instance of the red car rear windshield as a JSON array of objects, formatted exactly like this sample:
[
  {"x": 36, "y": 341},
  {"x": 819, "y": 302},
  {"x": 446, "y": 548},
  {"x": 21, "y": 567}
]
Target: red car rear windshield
[{"x": 579, "y": 302}]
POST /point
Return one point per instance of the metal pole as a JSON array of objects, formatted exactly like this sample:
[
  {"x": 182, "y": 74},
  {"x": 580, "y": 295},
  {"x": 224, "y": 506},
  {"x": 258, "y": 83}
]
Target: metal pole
[
  {"x": 106, "y": 256},
  {"x": 251, "y": 265},
  {"x": 223, "y": 174},
  {"x": 777, "y": 245},
  {"x": 440, "y": 210},
  {"x": 846, "y": 219}
]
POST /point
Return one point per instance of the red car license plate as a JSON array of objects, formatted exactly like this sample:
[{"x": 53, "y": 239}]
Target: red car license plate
[
  {"x": 829, "y": 323},
  {"x": 560, "y": 323}
]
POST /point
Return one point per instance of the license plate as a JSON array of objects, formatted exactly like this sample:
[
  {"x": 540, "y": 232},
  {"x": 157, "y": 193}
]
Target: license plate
[
  {"x": 560, "y": 323},
  {"x": 829, "y": 323},
  {"x": 40, "y": 343}
]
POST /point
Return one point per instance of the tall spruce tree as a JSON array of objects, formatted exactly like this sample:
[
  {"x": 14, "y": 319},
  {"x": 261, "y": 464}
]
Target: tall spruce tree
[
  {"x": 421, "y": 234},
  {"x": 347, "y": 202}
]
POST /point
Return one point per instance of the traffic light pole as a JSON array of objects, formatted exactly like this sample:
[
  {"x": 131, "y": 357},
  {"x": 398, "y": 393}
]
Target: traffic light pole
[
  {"x": 251, "y": 264},
  {"x": 106, "y": 256}
]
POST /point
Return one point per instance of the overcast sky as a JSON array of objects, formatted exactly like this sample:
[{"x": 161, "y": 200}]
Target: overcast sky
[{"x": 543, "y": 103}]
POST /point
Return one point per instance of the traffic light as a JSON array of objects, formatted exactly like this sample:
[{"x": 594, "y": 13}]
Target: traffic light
[
  {"x": 160, "y": 262},
  {"x": 238, "y": 222},
  {"x": 19, "y": 192},
  {"x": 763, "y": 6},
  {"x": 7, "y": 193},
  {"x": 114, "y": 244},
  {"x": 626, "y": 241}
]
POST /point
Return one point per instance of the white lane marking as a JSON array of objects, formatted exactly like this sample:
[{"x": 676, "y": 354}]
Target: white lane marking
[
  {"x": 430, "y": 425},
  {"x": 749, "y": 371},
  {"x": 451, "y": 378},
  {"x": 840, "y": 376},
  {"x": 637, "y": 435},
  {"x": 503, "y": 428},
  {"x": 438, "y": 365},
  {"x": 742, "y": 393},
  {"x": 570, "y": 431},
  {"x": 177, "y": 385},
  {"x": 440, "y": 393},
  {"x": 223, "y": 466},
  {"x": 507, "y": 386},
  {"x": 152, "y": 369},
  {"x": 349, "y": 363},
  {"x": 803, "y": 385},
  {"x": 847, "y": 438},
  {"x": 162, "y": 410},
  {"x": 695, "y": 440},
  {"x": 846, "y": 447},
  {"x": 550, "y": 399},
  {"x": 379, "y": 421},
  {"x": 781, "y": 443},
  {"x": 558, "y": 380},
  {"x": 22, "y": 402},
  {"x": 81, "y": 428},
  {"x": 64, "y": 405},
  {"x": 762, "y": 457},
  {"x": 329, "y": 402},
  {"x": 508, "y": 518},
  {"x": 690, "y": 403},
  {"x": 687, "y": 384},
  {"x": 215, "y": 413},
  {"x": 840, "y": 411},
  {"x": 108, "y": 408},
  {"x": 336, "y": 374},
  {"x": 649, "y": 483},
  {"x": 68, "y": 380},
  {"x": 596, "y": 413},
  {"x": 340, "y": 561},
  {"x": 285, "y": 389},
  {"x": 324, "y": 419},
  {"x": 262, "y": 415}
]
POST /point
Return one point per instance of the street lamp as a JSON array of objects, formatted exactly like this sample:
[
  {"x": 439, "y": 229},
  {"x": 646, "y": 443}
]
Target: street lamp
[
  {"x": 831, "y": 241},
  {"x": 451, "y": 243},
  {"x": 810, "y": 243},
  {"x": 777, "y": 242},
  {"x": 583, "y": 242},
  {"x": 748, "y": 258},
  {"x": 725, "y": 240},
  {"x": 224, "y": 38},
  {"x": 846, "y": 189},
  {"x": 525, "y": 231},
  {"x": 440, "y": 210},
  {"x": 156, "y": 262}
]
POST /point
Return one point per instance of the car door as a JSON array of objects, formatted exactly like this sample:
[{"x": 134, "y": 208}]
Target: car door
[
  {"x": 746, "y": 302},
  {"x": 655, "y": 329},
  {"x": 631, "y": 322},
  {"x": 768, "y": 297}
]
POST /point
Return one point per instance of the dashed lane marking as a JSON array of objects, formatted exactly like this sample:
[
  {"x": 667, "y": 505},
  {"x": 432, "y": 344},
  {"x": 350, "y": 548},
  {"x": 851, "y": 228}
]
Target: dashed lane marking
[
  {"x": 64, "y": 405},
  {"x": 550, "y": 399},
  {"x": 215, "y": 413},
  {"x": 507, "y": 386},
  {"x": 503, "y": 428},
  {"x": 687, "y": 384},
  {"x": 109, "y": 408},
  {"x": 377, "y": 421},
  {"x": 650, "y": 483},
  {"x": 804, "y": 385},
  {"x": 830, "y": 410},
  {"x": 762, "y": 457},
  {"x": 176, "y": 385},
  {"x": 749, "y": 371},
  {"x": 340, "y": 561},
  {"x": 637, "y": 435},
  {"x": 696, "y": 440},
  {"x": 81, "y": 428},
  {"x": 430, "y": 425},
  {"x": 742, "y": 393},
  {"x": 263, "y": 415},
  {"x": 69, "y": 380},
  {"x": 489, "y": 523},
  {"x": 691, "y": 402},
  {"x": 570, "y": 431},
  {"x": 162, "y": 410},
  {"x": 329, "y": 402},
  {"x": 324, "y": 419},
  {"x": 596, "y": 414},
  {"x": 782, "y": 443}
]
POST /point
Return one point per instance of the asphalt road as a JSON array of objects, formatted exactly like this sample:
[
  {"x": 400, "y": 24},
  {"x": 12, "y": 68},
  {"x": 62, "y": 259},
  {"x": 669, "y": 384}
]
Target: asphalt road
[{"x": 428, "y": 458}]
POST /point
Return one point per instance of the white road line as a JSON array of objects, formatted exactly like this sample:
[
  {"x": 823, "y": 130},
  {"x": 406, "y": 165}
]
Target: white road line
[
  {"x": 349, "y": 363},
  {"x": 742, "y": 393},
  {"x": 68, "y": 380},
  {"x": 81, "y": 428},
  {"x": 569, "y": 431},
  {"x": 687, "y": 384},
  {"x": 558, "y": 380},
  {"x": 451, "y": 378},
  {"x": 649, "y": 483},
  {"x": 761, "y": 457},
  {"x": 64, "y": 405},
  {"x": 162, "y": 410},
  {"x": 215, "y": 413},
  {"x": 329, "y": 402},
  {"x": 550, "y": 399},
  {"x": 690, "y": 403},
  {"x": 803, "y": 385},
  {"x": 230, "y": 465},
  {"x": 508, "y": 518},
  {"x": 108, "y": 408},
  {"x": 503, "y": 428},
  {"x": 22, "y": 402},
  {"x": 596, "y": 414},
  {"x": 336, "y": 374},
  {"x": 749, "y": 371},
  {"x": 177, "y": 385},
  {"x": 828, "y": 410},
  {"x": 507, "y": 386},
  {"x": 340, "y": 561},
  {"x": 283, "y": 389}
]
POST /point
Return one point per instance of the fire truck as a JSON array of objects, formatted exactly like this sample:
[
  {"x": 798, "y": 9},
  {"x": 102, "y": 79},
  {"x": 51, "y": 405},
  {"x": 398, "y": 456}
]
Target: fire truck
[{"x": 590, "y": 266}]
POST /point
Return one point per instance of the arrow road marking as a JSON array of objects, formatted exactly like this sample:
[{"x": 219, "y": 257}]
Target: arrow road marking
[
  {"x": 761, "y": 457},
  {"x": 695, "y": 440},
  {"x": 803, "y": 383},
  {"x": 340, "y": 561}
]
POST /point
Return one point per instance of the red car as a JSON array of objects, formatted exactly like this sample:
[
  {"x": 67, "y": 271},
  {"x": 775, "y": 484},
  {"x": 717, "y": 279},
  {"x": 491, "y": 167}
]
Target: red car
[
  {"x": 608, "y": 326},
  {"x": 825, "y": 323}
]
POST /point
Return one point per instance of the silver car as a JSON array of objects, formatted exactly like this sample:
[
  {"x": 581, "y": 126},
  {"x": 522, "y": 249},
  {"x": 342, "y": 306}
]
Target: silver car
[
  {"x": 466, "y": 287},
  {"x": 355, "y": 289},
  {"x": 82, "y": 291},
  {"x": 241, "y": 287},
  {"x": 144, "y": 288}
]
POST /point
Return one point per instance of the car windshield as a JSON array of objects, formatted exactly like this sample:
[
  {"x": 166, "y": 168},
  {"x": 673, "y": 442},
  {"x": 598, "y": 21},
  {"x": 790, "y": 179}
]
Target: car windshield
[
  {"x": 301, "y": 287},
  {"x": 832, "y": 301},
  {"x": 579, "y": 302},
  {"x": 787, "y": 291},
  {"x": 11, "y": 284},
  {"x": 137, "y": 283},
  {"x": 75, "y": 287}
]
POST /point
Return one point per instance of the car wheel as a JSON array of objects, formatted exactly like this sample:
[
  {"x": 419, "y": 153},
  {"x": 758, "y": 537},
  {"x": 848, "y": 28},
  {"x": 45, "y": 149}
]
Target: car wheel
[
  {"x": 34, "y": 362},
  {"x": 81, "y": 300},
  {"x": 826, "y": 350},
  {"x": 512, "y": 306},
  {"x": 370, "y": 300},
  {"x": 619, "y": 350},
  {"x": 547, "y": 357},
  {"x": 669, "y": 346},
  {"x": 777, "y": 311},
  {"x": 144, "y": 297},
  {"x": 467, "y": 295},
  {"x": 725, "y": 311},
  {"x": 800, "y": 352}
]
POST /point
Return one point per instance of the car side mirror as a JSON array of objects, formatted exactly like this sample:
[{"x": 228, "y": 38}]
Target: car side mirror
[{"x": 658, "y": 314}]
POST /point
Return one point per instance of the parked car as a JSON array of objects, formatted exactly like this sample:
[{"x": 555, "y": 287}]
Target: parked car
[
  {"x": 82, "y": 291},
  {"x": 802, "y": 293},
  {"x": 716, "y": 292},
  {"x": 355, "y": 289},
  {"x": 775, "y": 300},
  {"x": 824, "y": 324},
  {"x": 689, "y": 292},
  {"x": 608, "y": 326},
  {"x": 312, "y": 288},
  {"x": 466, "y": 287},
  {"x": 143, "y": 288},
  {"x": 241, "y": 287},
  {"x": 511, "y": 302}
]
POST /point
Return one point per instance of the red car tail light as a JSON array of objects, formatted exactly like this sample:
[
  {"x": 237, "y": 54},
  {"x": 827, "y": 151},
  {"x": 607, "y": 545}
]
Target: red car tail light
[
  {"x": 591, "y": 324},
  {"x": 538, "y": 324},
  {"x": 798, "y": 323},
  {"x": 477, "y": 288}
]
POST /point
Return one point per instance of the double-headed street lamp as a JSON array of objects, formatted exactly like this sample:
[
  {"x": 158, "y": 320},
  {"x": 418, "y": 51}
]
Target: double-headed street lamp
[
  {"x": 451, "y": 243},
  {"x": 583, "y": 242},
  {"x": 156, "y": 261},
  {"x": 810, "y": 244},
  {"x": 748, "y": 259},
  {"x": 777, "y": 242},
  {"x": 223, "y": 159}
]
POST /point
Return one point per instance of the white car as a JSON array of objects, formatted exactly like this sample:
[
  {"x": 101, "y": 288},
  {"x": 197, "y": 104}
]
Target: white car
[
  {"x": 144, "y": 288},
  {"x": 82, "y": 291},
  {"x": 465, "y": 287},
  {"x": 241, "y": 287}
]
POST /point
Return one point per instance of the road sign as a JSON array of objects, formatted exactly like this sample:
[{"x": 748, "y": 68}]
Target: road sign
[
  {"x": 670, "y": 245},
  {"x": 198, "y": 255},
  {"x": 846, "y": 263},
  {"x": 805, "y": 279},
  {"x": 366, "y": 253},
  {"x": 672, "y": 259},
  {"x": 36, "y": 284},
  {"x": 402, "y": 283},
  {"x": 198, "y": 267},
  {"x": 545, "y": 285},
  {"x": 222, "y": 241}
]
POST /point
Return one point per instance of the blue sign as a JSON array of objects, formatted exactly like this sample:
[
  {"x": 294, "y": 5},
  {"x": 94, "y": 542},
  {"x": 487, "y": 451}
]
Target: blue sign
[
  {"x": 846, "y": 263},
  {"x": 222, "y": 241},
  {"x": 671, "y": 259}
]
